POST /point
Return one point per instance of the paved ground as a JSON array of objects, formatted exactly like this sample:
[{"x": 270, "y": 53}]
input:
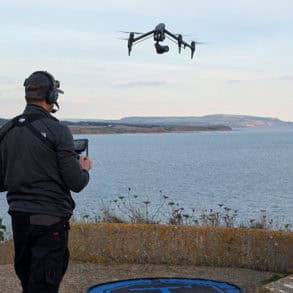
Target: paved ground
[{"x": 82, "y": 275}]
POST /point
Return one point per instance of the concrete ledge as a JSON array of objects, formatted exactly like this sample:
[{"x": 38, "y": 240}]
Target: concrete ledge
[
  {"x": 189, "y": 245},
  {"x": 284, "y": 285}
]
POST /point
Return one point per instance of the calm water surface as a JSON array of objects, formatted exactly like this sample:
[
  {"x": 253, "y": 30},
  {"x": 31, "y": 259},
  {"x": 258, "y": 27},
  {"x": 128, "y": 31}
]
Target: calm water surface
[{"x": 245, "y": 170}]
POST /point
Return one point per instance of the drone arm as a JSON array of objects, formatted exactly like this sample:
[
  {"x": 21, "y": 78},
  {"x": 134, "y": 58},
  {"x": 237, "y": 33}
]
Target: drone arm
[
  {"x": 186, "y": 44},
  {"x": 171, "y": 35},
  {"x": 177, "y": 39},
  {"x": 142, "y": 36}
]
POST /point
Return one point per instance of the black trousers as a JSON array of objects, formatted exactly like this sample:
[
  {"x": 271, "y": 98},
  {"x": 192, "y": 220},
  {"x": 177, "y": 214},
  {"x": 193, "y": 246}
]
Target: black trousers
[{"x": 41, "y": 253}]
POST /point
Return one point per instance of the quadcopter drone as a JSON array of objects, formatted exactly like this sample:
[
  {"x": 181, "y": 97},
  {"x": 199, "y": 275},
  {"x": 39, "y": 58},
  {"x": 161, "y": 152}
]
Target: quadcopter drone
[{"x": 160, "y": 33}]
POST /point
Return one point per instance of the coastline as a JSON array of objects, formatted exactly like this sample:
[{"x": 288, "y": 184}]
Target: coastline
[{"x": 121, "y": 129}]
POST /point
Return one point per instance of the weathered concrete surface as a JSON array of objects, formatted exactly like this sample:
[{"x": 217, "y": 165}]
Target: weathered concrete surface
[
  {"x": 183, "y": 245},
  {"x": 6, "y": 252},
  {"x": 284, "y": 285},
  {"x": 83, "y": 275}
]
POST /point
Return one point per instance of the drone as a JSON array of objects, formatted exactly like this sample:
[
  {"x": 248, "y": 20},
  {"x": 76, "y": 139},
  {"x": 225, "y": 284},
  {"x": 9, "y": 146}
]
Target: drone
[{"x": 160, "y": 33}]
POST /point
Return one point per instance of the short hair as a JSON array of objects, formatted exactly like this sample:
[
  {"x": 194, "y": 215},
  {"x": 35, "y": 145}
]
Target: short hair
[{"x": 37, "y": 86}]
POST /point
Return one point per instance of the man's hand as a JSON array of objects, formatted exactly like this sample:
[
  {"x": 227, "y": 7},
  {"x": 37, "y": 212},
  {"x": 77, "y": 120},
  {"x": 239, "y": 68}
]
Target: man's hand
[{"x": 85, "y": 163}]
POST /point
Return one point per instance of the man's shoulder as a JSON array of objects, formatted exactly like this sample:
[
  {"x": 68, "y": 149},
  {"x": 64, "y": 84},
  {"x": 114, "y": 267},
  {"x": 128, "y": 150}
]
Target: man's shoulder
[
  {"x": 6, "y": 126},
  {"x": 59, "y": 128},
  {"x": 52, "y": 120},
  {"x": 60, "y": 125}
]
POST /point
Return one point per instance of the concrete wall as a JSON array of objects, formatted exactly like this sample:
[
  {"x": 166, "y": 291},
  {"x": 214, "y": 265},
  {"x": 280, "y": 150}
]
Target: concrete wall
[{"x": 162, "y": 244}]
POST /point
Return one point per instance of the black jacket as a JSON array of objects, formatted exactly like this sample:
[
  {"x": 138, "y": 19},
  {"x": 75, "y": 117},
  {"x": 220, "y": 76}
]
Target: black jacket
[{"x": 38, "y": 178}]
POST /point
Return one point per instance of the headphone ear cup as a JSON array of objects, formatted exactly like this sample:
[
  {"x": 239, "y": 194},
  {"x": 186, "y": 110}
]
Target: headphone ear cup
[{"x": 51, "y": 96}]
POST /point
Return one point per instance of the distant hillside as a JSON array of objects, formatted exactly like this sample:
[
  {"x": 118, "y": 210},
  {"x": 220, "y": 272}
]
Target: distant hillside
[
  {"x": 123, "y": 128},
  {"x": 117, "y": 127},
  {"x": 208, "y": 122},
  {"x": 233, "y": 121}
]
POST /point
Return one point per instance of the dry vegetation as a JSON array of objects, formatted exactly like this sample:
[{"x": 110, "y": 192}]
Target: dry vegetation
[
  {"x": 257, "y": 249},
  {"x": 131, "y": 209}
]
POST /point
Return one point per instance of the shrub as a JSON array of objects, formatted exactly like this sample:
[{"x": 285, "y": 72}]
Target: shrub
[
  {"x": 130, "y": 208},
  {"x": 2, "y": 230}
]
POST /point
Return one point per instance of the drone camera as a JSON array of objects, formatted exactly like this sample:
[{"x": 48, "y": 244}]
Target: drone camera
[{"x": 161, "y": 49}]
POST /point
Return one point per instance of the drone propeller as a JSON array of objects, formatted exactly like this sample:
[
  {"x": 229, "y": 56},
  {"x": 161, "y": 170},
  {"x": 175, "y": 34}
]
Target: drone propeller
[
  {"x": 125, "y": 32},
  {"x": 183, "y": 35},
  {"x": 144, "y": 39}
]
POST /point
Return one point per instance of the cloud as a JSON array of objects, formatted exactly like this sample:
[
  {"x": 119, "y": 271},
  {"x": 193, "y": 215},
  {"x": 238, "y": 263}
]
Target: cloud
[
  {"x": 285, "y": 77},
  {"x": 80, "y": 101},
  {"x": 260, "y": 78},
  {"x": 141, "y": 84},
  {"x": 233, "y": 81}
]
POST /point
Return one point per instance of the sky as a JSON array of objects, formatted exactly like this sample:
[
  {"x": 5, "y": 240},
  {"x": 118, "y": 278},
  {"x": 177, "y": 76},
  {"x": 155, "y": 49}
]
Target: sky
[{"x": 245, "y": 65}]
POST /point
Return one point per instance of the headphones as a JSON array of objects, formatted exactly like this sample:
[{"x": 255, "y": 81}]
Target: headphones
[{"x": 53, "y": 92}]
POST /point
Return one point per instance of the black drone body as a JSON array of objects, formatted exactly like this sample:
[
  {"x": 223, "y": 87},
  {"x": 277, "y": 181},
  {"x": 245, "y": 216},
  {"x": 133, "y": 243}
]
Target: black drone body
[{"x": 160, "y": 33}]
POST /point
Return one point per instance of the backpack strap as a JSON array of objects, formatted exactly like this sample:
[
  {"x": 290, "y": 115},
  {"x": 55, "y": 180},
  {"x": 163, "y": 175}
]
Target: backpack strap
[
  {"x": 26, "y": 121},
  {"x": 2, "y": 135},
  {"x": 12, "y": 125}
]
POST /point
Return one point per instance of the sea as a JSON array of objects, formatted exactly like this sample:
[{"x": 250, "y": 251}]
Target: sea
[{"x": 197, "y": 173}]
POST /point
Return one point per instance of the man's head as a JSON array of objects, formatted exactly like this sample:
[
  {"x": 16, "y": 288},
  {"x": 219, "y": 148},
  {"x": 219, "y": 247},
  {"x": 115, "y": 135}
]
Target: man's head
[{"x": 41, "y": 88}]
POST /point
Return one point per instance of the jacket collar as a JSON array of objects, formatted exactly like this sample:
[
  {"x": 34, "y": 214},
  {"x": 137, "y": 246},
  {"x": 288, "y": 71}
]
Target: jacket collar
[{"x": 36, "y": 109}]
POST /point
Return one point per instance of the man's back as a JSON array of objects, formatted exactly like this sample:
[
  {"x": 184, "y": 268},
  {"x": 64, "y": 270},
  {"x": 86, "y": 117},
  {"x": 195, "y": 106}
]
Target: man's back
[{"x": 38, "y": 177}]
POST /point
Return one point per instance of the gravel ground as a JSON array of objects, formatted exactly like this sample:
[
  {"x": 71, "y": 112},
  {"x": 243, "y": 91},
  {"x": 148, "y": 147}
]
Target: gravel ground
[{"x": 83, "y": 275}]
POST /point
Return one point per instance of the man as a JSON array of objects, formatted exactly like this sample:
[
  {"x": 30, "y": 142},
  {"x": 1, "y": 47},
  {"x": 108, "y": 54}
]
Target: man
[{"x": 38, "y": 169}]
